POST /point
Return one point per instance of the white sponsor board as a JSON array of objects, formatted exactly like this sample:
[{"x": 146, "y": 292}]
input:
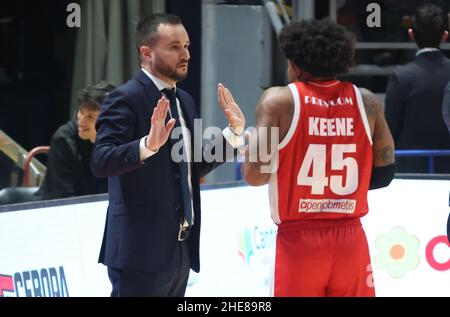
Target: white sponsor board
[
  {"x": 409, "y": 218},
  {"x": 54, "y": 250},
  {"x": 63, "y": 238}
]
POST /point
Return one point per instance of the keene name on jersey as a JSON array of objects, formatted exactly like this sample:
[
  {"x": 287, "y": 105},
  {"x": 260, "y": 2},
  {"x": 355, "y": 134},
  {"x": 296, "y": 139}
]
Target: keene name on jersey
[{"x": 331, "y": 126}]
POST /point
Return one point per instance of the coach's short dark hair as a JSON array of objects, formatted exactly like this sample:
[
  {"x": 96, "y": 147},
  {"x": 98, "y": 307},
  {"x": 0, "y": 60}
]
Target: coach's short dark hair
[
  {"x": 320, "y": 47},
  {"x": 92, "y": 97},
  {"x": 146, "y": 30},
  {"x": 429, "y": 23}
]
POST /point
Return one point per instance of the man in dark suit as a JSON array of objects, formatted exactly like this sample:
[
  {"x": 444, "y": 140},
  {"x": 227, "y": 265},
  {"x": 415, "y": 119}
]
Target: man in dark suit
[
  {"x": 152, "y": 231},
  {"x": 446, "y": 106},
  {"x": 415, "y": 91},
  {"x": 446, "y": 116}
]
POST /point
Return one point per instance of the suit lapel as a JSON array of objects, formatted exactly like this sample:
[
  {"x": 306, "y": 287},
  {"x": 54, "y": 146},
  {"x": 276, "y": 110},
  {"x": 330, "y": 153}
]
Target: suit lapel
[
  {"x": 150, "y": 89},
  {"x": 153, "y": 94}
]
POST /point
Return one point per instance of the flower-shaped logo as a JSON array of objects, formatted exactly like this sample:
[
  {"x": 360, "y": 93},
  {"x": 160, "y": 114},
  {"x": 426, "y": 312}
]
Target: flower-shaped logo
[
  {"x": 245, "y": 245},
  {"x": 397, "y": 252}
]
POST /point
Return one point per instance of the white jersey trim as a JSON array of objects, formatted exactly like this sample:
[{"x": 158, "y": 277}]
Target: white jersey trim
[
  {"x": 362, "y": 112},
  {"x": 273, "y": 198},
  {"x": 273, "y": 256},
  {"x": 295, "y": 118},
  {"x": 321, "y": 85}
]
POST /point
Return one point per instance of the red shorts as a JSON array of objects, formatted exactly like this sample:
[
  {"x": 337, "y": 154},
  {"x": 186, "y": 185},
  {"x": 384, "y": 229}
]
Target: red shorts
[{"x": 322, "y": 258}]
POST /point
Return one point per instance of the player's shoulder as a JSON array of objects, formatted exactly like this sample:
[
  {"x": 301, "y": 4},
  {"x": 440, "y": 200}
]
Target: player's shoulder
[
  {"x": 367, "y": 95},
  {"x": 276, "y": 96},
  {"x": 372, "y": 103},
  {"x": 365, "y": 92}
]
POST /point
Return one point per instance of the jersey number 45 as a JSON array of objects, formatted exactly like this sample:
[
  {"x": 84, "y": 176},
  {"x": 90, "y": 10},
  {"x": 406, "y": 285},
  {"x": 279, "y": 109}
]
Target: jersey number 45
[{"x": 315, "y": 158}]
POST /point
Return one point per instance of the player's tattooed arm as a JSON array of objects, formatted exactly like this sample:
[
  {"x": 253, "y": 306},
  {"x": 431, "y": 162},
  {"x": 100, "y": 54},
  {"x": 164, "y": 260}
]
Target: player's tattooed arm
[
  {"x": 262, "y": 148},
  {"x": 372, "y": 104},
  {"x": 383, "y": 143}
]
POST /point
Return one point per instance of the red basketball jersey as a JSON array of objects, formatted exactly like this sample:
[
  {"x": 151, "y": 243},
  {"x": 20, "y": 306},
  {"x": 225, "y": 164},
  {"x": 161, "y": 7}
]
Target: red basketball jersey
[{"x": 325, "y": 160}]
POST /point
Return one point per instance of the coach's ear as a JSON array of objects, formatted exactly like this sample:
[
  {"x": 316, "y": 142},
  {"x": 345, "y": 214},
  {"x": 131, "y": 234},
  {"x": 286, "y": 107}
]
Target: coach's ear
[
  {"x": 444, "y": 37},
  {"x": 411, "y": 34},
  {"x": 145, "y": 53}
]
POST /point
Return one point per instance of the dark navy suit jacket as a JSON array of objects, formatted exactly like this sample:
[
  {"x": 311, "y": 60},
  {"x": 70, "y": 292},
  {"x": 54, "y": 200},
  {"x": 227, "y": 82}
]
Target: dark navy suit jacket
[
  {"x": 145, "y": 198},
  {"x": 414, "y": 111}
]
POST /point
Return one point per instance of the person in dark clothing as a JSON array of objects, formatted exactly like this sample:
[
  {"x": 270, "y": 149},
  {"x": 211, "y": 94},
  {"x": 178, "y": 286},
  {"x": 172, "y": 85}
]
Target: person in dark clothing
[
  {"x": 415, "y": 92},
  {"x": 446, "y": 106},
  {"x": 446, "y": 117},
  {"x": 151, "y": 239},
  {"x": 68, "y": 166}
]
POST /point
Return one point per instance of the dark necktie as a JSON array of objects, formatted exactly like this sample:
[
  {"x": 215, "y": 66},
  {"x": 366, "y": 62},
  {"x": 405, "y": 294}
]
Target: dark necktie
[{"x": 183, "y": 165}]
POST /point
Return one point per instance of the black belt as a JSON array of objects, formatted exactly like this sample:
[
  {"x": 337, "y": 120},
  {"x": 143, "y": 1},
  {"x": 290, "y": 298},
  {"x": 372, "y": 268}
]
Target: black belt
[{"x": 183, "y": 234}]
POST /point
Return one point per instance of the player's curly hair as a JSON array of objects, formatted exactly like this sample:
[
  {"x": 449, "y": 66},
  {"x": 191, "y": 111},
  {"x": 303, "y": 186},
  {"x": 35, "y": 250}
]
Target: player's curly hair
[{"x": 320, "y": 47}]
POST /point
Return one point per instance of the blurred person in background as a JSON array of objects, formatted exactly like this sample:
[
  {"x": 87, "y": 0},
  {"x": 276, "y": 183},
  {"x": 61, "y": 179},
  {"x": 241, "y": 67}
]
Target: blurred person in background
[
  {"x": 415, "y": 91},
  {"x": 446, "y": 117},
  {"x": 68, "y": 165}
]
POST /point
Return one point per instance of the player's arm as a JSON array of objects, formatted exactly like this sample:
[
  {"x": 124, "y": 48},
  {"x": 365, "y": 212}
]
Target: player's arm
[
  {"x": 260, "y": 153},
  {"x": 383, "y": 169}
]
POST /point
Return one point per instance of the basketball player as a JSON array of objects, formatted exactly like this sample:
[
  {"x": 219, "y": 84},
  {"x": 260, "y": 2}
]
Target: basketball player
[{"x": 333, "y": 146}]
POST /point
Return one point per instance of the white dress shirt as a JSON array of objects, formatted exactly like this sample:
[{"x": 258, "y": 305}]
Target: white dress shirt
[{"x": 427, "y": 49}]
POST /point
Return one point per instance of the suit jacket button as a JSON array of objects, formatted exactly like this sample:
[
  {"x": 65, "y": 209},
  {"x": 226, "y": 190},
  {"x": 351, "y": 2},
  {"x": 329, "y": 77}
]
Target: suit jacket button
[
  {"x": 177, "y": 207},
  {"x": 176, "y": 175}
]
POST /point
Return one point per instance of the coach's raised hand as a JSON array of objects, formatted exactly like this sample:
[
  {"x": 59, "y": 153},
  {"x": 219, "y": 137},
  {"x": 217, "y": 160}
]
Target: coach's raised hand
[{"x": 159, "y": 130}]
